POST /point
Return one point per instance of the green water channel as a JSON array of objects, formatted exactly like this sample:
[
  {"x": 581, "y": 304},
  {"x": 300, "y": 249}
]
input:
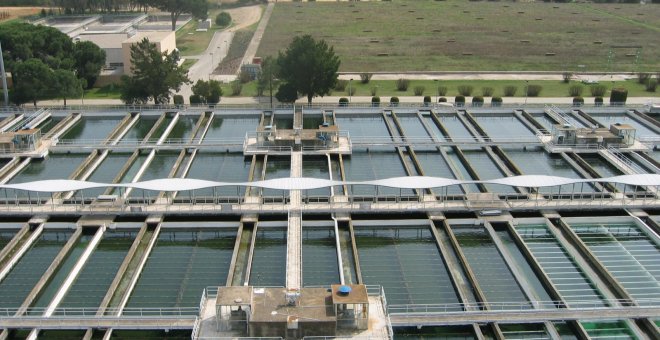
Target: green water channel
[
  {"x": 183, "y": 128},
  {"x": 455, "y": 127},
  {"x": 535, "y": 161},
  {"x": 269, "y": 258},
  {"x": 231, "y": 127},
  {"x": 92, "y": 128},
  {"x": 608, "y": 330},
  {"x": 435, "y": 130},
  {"x": 565, "y": 274},
  {"x": 21, "y": 279},
  {"x": 219, "y": 167},
  {"x": 283, "y": 121},
  {"x": 55, "y": 166},
  {"x": 316, "y": 167},
  {"x": 520, "y": 262},
  {"x": 141, "y": 128},
  {"x": 181, "y": 265},
  {"x": 435, "y": 165},
  {"x": 49, "y": 123},
  {"x": 527, "y": 331},
  {"x": 365, "y": 165},
  {"x": 406, "y": 261},
  {"x": 319, "y": 253},
  {"x": 489, "y": 267},
  {"x": 602, "y": 167},
  {"x": 455, "y": 160},
  {"x": 502, "y": 126},
  {"x": 160, "y": 167},
  {"x": 49, "y": 291},
  {"x": 627, "y": 253},
  {"x": 91, "y": 285},
  {"x": 434, "y": 333},
  {"x": 545, "y": 120},
  {"x": 106, "y": 172},
  {"x": 312, "y": 121},
  {"x": 7, "y": 232},
  {"x": 487, "y": 169},
  {"x": 362, "y": 125},
  {"x": 277, "y": 167}
]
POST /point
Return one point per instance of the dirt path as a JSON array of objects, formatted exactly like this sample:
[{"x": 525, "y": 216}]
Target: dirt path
[{"x": 244, "y": 17}]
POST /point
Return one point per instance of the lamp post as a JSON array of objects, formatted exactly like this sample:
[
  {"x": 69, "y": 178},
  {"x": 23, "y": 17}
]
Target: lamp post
[
  {"x": 350, "y": 90},
  {"x": 212, "y": 63},
  {"x": 526, "y": 91},
  {"x": 437, "y": 91}
]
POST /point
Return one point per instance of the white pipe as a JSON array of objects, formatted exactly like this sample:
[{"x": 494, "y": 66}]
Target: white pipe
[{"x": 340, "y": 262}]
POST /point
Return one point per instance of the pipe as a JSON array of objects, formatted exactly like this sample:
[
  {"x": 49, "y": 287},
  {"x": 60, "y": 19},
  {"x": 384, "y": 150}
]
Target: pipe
[{"x": 340, "y": 261}]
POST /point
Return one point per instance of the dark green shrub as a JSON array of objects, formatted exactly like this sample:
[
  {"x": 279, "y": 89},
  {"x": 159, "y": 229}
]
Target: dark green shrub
[
  {"x": 394, "y": 101},
  {"x": 566, "y": 76},
  {"x": 618, "y": 96},
  {"x": 575, "y": 90},
  {"x": 245, "y": 77},
  {"x": 465, "y": 90},
  {"x": 236, "y": 87},
  {"x": 643, "y": 77},
  {"x": 427, "y": 100},
  {"x": 598, "y": 90},
  {"x": 496, "y": 101},
  {"x": 442, "y": 91},
  {"x": 510, "y": 90},
  {"x": 43, "y": 13},
  {"x": 598, "y": 101},
  {"x": 419, "y": 90},
  {"x": 402, "y": 84},
  {"x": 459, "y": 101},
  {"x": 343, "y": 102},
  {"x": 578, "y": 101},
  {"x": 487, "y": 91},
  {"x": 478, "y": 101},
  {"x": 223, "y": 19},
  {"x": 534, "y": 90},
  {"x": 196, "y": 99},
  {"x": 651, "y": 85},
  {"x": 365, "y": 78},
  {"x": 351, "y": 90},
  {"x": 442, "y": 100},
  {"x": 178, "y": 99},
  {"x": 340, "y": 85},
  {"x": 375, "y": 101},
  {"x": 374, "y": 91}
]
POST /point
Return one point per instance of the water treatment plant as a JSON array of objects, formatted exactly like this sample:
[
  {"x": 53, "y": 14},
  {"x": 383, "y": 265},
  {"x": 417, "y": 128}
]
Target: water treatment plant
[{"x": 330, "y": 222}]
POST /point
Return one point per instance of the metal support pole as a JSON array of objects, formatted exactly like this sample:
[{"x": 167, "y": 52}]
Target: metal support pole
[{"x": 5, "y": 91}]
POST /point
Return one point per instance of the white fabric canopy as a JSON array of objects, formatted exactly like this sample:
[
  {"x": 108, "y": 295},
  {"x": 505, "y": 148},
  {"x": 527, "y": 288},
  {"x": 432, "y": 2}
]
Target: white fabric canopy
[{"x": 306, "y": 183}]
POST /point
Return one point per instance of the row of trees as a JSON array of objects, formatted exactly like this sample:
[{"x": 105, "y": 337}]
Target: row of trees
[
  {"x": 307, "y": 68},
  {"x": 45, "y": 63}
]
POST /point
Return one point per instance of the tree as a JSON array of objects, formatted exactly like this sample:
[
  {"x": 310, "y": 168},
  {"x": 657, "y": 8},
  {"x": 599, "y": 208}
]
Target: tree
[
  {"x": 66, "y": 85},
  {"x": 155, "y": 75},
  {"x": 89, "y": 60},
  {"x": 309, "y": 66},
  {"x": 209, "y": 91},
  {"x": 266, "y": 80},
  {"x": 32, "y": 81},
  {"x": 286, "y": 93},
  {"x": 198, "y": 8}
]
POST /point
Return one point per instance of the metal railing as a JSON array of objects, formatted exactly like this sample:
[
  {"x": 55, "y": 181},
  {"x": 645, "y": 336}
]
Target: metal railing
[
  {"x": 625, "y": 160},
  {"x": 91, "y": 312},
  {"x": 152, "y": 143},
  {"x": 600, "y": 304}
]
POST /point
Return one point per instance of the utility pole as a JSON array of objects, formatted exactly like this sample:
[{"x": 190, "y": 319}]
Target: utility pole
[
  {"x": 5, "y": 91},
  {"x": 270, "y": 85}
]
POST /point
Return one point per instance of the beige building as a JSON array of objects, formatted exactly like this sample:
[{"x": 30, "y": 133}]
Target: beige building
[
  {"x": 165, "y": 42},
  {"x": 117, "y": 47}
]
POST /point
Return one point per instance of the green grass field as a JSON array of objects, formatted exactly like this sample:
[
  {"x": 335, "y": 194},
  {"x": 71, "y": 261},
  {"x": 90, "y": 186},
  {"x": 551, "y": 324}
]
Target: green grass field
[{"x": 458, "y": 35}]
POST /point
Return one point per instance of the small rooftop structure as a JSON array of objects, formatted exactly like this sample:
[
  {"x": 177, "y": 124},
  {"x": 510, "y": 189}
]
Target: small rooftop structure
[
  {"x": 20, "y": 141},
  {"x": 268, "y": 312},
  {"x": 617, "y": 135}
]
